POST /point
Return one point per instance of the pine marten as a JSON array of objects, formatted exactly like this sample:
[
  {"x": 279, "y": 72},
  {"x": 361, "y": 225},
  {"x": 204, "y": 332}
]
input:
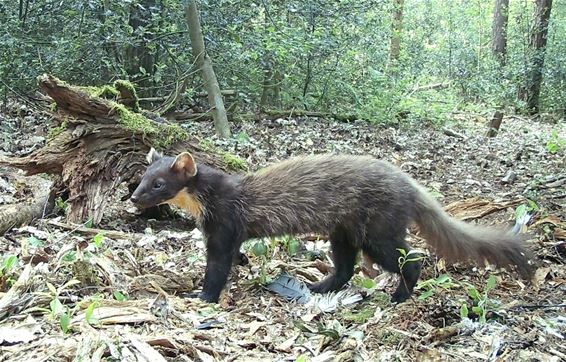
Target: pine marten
[{"x": 362, "y": 204}]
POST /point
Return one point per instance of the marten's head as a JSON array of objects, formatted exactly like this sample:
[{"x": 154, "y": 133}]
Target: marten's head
[{"x": 166, "y": 181}]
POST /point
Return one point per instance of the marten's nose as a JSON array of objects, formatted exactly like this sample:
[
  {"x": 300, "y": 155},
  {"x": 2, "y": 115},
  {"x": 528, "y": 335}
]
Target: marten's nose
[{"x": 134, "y": 199}]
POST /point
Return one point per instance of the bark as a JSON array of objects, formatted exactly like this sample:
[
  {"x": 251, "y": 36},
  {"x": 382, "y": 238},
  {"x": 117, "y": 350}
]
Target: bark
[
  {"x": 499, "y": 30},
  {"x": 537, "y": 46},
  {"x": 396, "y": 28},
  {"x": 494, "y": 124},
  {"x": 98, "y": 149},
  {"x": 205, "y": 64}
]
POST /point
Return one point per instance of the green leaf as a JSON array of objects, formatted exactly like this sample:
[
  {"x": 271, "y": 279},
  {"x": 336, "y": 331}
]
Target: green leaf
[
  {"x": 426, "y": 294},
  {"x": 35, "y": 242},
  {"x": 490, "y": 284},
  {"x": 477, "y": 310},
  {"x": 89, "y": 311},
  {"x": 51, "y": 288},
  {"x": 293, "y": 247},
  {"x": 119, "y": 296},
  {"x": 88, "y": 223},
  {"x": 474, "y": 294},
  {"x": 443, "y": 278},
  {"x": 8, "y": 263},
  {"x": 520, "y": 211},
  {"x": 259, "y": 248},
  {"x": 64, "y": 322},
  {"x": 97, "y": 239},
  {"x": 302, "y": 358},
  {"x": 402, "y": 251},
  {"x": 56, "y": 307},
  {"x": 464, "y": 311},
  {"x": 368, "y": 283},
  {"x": 70, "y": 256}
]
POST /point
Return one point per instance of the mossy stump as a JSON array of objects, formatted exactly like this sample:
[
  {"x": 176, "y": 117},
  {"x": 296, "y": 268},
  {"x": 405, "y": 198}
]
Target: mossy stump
[{"x": 100, "y": 143}]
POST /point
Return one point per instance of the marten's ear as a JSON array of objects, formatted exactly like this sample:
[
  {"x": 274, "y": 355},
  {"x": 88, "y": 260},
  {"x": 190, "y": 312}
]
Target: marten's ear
[
  {"x": 184, "y": 162},
  {"x": 152, "y": 156}
]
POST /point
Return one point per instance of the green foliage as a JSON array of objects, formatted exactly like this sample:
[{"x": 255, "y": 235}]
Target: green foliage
[
  {"x": 430, "y": 286},
  {"x": 90, "y": 310},
  {"x": 366, "y": 283},
  {"x": 410, "y": 257},
  {"x": 98, "y": 239},
  {"x": 8, "y": 263},
  {"x": 480, "y": 303},
  {"x": 555, "y": 143},
  {"x": 261, "y": 249},
  {"x": 324, "y": 55},
  {"x": 360, "y": 316},
  {"x": 61, "y": 205},
  {"x": 119, "y": 296},
  {"x": 234, "y": 162}
]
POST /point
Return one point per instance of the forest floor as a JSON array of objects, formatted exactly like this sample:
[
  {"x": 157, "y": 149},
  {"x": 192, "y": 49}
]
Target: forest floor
[{"x": 120, "y": 294}]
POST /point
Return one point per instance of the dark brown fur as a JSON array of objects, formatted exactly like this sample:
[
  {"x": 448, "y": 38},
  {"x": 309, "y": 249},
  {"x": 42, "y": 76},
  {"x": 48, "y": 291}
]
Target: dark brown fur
[{"x": 362, "y": 203}]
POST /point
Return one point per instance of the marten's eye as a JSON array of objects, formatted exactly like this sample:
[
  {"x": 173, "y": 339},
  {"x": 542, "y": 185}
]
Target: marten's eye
[{"x": 158, "y": 185}]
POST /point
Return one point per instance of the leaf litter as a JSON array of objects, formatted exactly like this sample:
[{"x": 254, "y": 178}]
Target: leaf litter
[{"x": 136, "y": 303}]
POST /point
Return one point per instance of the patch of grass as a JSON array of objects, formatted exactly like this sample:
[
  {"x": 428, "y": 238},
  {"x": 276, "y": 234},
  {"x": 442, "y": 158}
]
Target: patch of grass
[{"x": 360, "y": 316}]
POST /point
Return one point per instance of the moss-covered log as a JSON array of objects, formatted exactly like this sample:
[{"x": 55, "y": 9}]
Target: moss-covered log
[{"x": 100, "y": 143}]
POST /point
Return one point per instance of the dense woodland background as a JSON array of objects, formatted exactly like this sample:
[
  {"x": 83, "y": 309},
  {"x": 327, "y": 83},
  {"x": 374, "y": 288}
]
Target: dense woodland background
[{"x": 381, "y": 60}]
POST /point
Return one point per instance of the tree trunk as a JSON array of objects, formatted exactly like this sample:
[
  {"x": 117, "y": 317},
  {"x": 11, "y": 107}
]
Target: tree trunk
[
  {"x": 537, "y": 46},
  {"x": 205, "y": 64},
  {"x": 396, "y": 28},
  {"x": 139, "y": 56},
  {"x": 100, "y": 145},
  {"x": 266, "y": 88},
  {"x": 499, "y": 30}
]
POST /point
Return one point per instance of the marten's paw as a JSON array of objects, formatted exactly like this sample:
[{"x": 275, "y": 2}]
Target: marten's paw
[
  {"x": 241, "y": 259},
  {"x": 208, "y": 297},
  {"x": 399, "y": 296},
  {"x": 328, "y": 284}
]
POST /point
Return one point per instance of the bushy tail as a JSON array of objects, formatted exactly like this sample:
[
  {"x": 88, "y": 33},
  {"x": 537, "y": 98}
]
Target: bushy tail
[{"x": 457, "y": 240}]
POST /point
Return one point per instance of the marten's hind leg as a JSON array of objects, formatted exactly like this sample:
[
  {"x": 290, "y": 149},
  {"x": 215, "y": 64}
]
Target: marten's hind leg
[
  {"x": 344, "y": 257},
  {"x": 383, "y": 251}
]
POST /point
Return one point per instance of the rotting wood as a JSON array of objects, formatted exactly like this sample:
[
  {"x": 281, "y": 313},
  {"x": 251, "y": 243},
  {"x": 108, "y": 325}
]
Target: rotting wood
[
  {"x": 43, "y": 201},
  {"x": 494, "y": 124},
  {"x": 113, "y": 234},
  {"x": 99, "y": 145}
]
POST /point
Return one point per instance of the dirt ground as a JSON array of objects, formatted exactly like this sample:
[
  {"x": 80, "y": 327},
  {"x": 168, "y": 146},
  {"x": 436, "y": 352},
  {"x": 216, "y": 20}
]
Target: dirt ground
[{"x": 121, "y": 292}]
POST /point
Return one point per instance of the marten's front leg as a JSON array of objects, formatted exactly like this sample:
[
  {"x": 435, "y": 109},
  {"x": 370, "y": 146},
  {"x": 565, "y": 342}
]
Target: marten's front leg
[{"x": 221, "y": 248}]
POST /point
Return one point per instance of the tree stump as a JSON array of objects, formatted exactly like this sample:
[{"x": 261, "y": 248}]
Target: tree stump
[
  {"x": 99, "y": 144},
  {"x": 494, "y": 124}
]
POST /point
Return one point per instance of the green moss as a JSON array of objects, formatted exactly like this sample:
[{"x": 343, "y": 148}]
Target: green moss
[
  {"x": 233, "y": 161},
  {"x": 162, "y": 135},
  {"x": 56, "y": 131},
  {"x": 106, "y": 91},
  {"x": 129, "y": 87}
]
